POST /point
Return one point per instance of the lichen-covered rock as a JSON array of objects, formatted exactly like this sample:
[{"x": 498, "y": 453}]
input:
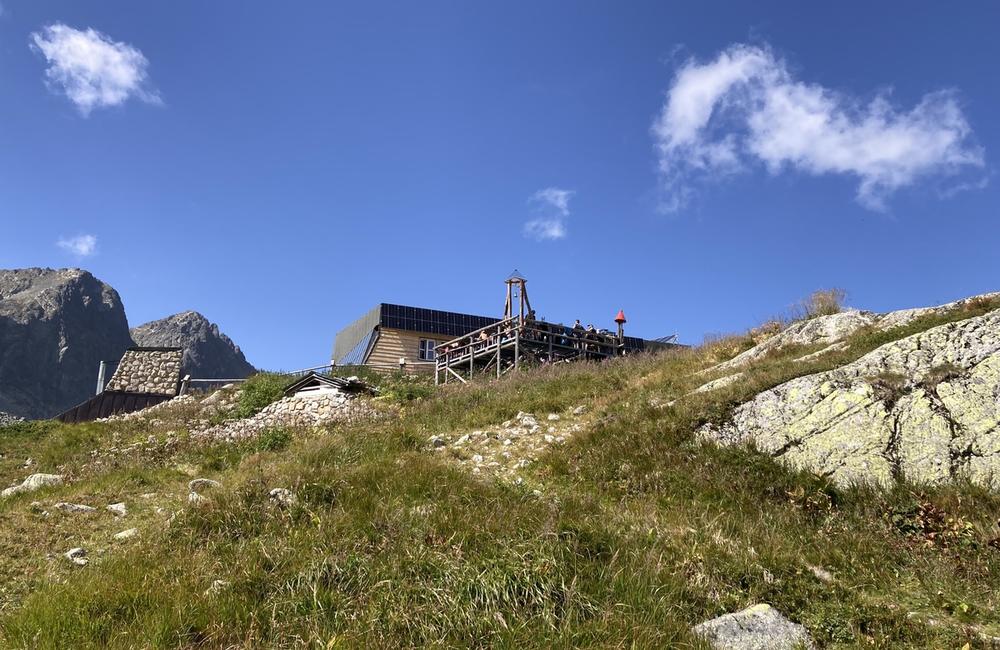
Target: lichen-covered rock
[
  {"x": 840, "y": 424},
  {"x": 760, "y": 627}
]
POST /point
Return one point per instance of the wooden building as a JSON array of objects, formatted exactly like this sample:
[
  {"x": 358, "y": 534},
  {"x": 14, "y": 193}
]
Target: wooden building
[
  {"x": 389, "y": 337},
  {"x": 393, "y": 337}
]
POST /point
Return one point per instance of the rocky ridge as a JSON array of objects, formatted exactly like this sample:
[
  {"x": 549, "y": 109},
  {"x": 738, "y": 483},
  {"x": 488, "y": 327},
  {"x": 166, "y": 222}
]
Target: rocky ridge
[
  {"x": 832, "y": 329},
  {"x": 208, "y": 353}
]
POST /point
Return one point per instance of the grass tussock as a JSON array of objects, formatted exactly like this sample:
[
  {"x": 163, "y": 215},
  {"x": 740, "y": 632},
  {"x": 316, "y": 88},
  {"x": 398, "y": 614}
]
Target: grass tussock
[{"x": 625, "y": 537}]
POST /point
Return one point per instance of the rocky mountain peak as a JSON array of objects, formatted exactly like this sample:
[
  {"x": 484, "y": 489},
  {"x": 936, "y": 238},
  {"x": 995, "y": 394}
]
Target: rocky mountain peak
[
  {"x": 56, "y": 326},
  {"x": 208, "y": 353}
]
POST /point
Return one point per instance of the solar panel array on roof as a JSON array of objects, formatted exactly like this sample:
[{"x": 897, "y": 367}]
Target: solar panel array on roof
[
  {"x": 432, "y": 321},
  {"x": 633, "y": 344}
]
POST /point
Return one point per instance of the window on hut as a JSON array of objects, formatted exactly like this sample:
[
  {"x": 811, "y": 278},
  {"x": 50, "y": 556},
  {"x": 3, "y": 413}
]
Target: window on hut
[{"x": 426, "y": 352}]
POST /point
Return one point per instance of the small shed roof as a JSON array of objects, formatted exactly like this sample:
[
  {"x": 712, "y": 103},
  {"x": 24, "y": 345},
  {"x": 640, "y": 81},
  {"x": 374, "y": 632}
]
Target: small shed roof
[{"x": 314, "y": 379}]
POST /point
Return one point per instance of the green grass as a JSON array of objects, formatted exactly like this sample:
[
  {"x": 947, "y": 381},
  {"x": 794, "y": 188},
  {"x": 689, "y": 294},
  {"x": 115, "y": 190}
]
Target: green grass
[{"x": 636, "y": 531}]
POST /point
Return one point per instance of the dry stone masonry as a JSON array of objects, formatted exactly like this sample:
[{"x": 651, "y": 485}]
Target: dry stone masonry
[
  {"x": 300, "y": 410},
  {"x": 148, "y": 370}
]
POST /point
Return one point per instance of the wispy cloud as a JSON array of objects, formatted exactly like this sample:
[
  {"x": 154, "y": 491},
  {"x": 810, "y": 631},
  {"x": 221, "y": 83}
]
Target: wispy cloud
[
  {"x": 552, "y": 205},
  {"x": 92, "y": 70},
  {"x": 81, "y": 245},
  {"x": 745, "y": 107}
]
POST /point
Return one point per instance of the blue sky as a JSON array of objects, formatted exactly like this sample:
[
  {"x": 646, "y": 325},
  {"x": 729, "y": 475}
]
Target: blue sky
[{"x": 282, "y": 168}]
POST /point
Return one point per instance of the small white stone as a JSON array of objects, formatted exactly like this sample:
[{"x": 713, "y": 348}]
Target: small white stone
[
  {"x": 283, "y": 497},
  {"x": 196, "y": 499},
  {"x": 74, "y": 507},
  {"x": 553, "y": 417},
  {"x": 125, "y": 534},
  {"x": 77, "y": 556},
  {"x": 118, "y": 509},
  {"x": 216, "y": 587},
  {"x": 199, "y": 484}
]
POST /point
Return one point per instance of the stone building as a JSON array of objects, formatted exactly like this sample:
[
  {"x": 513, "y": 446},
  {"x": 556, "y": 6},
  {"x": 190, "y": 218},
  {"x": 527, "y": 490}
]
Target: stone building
[{"x": 144, "y": 377}]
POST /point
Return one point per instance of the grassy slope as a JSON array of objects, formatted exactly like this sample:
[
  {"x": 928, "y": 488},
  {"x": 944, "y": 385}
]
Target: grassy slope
[{"x": 634, "y": 534}]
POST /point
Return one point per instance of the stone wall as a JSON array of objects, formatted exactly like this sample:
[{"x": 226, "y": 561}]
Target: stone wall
[
  {"x": 148, "y": 370},
  {"x": 301, "y": 410}
]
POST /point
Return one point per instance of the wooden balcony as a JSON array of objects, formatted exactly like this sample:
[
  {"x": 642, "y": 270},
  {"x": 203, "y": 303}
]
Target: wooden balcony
[{"x": 506, "y": 345}]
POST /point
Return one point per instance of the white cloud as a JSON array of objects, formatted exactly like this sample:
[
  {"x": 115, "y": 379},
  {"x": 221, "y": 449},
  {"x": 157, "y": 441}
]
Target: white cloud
[
  {"x": 91, "y": 69},
  {"x": 745, "y": 107},
  {"x": 552, "y": 204},
  {"x": 81, "y": 245}
]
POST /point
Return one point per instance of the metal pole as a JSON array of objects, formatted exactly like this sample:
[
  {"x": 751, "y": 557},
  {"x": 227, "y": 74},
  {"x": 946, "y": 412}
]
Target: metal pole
[{"x": 100, "y": 377}]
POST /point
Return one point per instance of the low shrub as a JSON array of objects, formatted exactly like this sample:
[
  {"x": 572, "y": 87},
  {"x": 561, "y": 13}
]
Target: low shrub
[
  {"x": 273, "y": 439},
  {"x": 889, "y": 387},
  {"x": 824, "y": 302},
  {"x": 257, "y": 392}
]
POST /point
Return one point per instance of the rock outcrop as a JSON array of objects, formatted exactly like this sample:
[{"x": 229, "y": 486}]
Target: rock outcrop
[
  {"x": 834, "y": 328},
  {"x": 6, "y": 419},
  {"x": 208, "y": 353},
  {"x": 32, "y": 483},
  {"x": 56, "y": 326},
  {"x": 925, "y": 408},
  {"x": 760, "y": 627}
]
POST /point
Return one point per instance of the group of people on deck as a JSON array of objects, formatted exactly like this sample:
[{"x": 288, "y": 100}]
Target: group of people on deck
[{"x": 579, "y": 337}]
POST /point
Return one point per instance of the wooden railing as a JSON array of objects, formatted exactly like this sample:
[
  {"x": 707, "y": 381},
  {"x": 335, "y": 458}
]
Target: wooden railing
[{"x": 549, "y": 342}]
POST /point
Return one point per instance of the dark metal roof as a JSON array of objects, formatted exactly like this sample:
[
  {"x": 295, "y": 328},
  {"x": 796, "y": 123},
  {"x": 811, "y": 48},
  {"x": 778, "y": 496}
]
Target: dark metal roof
[
  {"x": 346, "y": 384},
  {"x": 108, "y": 403}
]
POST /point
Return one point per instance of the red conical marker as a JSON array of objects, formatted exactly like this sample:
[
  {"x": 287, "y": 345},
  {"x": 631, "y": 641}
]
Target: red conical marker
[{"x": 620, "y": 318}]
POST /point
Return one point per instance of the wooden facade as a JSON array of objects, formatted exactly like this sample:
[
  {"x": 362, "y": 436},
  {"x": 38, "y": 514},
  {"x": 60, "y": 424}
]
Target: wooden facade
[{"x": 395, "y": 344}]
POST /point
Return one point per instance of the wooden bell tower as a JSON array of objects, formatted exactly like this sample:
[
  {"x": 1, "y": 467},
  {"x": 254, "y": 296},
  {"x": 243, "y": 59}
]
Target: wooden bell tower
[{"x": 518, "y": 304}]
